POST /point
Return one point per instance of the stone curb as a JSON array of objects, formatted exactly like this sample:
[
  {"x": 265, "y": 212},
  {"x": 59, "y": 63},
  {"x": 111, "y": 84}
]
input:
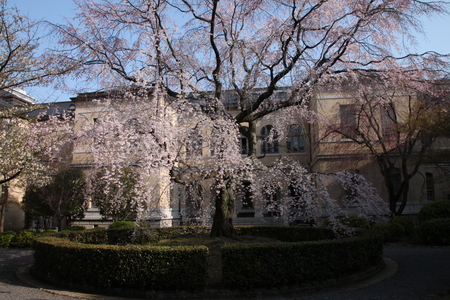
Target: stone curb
[{"x": 353, "y": 282}]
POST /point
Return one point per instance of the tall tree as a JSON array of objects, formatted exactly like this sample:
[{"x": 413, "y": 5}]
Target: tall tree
[
  {"x": 63, "y": 197},
  {"x": 23, "y": 140},
  {"x": 28, "y": 147},
  {"x": 251, "y": 48},
  {"x": 22, "y": 61}
]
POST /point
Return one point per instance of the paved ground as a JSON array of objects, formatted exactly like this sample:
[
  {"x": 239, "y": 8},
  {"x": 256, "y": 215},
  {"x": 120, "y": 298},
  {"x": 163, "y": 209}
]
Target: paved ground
[{"x": 412, "y": 273}]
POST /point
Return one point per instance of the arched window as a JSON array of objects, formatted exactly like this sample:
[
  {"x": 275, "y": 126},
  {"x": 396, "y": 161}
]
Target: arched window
[
  {"x": 295, "y": 140},
  {"x": 269, "y": 142}
]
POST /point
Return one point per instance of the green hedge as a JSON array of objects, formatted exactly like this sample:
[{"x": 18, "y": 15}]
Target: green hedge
[
  {"x": 268, "y": 265},
  {"x": 435, "y": 232},
  {"x": 122, "y": 225},
  {"x": 23, "y": 239},
  {"x": 305, "y": 254},
  {"x": 287, "y": 233},
  {"x": 104, "y": 266},
  {"x": 435, "y": 210},
  {"x": 6, "y": 238},
  {"x": 11, "y": 239},
  {"x": 137, "y": 236}
]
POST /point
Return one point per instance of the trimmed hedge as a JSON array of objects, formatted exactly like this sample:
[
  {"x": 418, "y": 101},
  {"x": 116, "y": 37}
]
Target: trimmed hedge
[
  {"x": 122, "y": 225},
  {"x": 23, "y": 239},
  {"x": 435, "y": 231},
  {"x": 304, "y": 254},
  {"x": 287, "y": 233},
  {"x": 6, "y": 238},
  {"x": 268, "y": 265},
  {"x": 104, "y": 266},
  {"x": 435, "y": 210},
  {"x": 136, "y": 236}
]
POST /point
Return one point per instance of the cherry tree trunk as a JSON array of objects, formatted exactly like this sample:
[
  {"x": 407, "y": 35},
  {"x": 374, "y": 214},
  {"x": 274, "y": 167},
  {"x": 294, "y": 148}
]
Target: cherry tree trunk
[
  {"x": 4, "y": 203},
  {"x": 223, "y": 217}
]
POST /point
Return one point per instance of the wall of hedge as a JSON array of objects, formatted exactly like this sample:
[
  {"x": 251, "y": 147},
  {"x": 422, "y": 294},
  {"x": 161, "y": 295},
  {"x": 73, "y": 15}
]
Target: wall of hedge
[
  {"x": 275, "y": 264},
  {"x": 305, "y": 254},
  {"x": 103, "y": 266},
  {"x": 138, "y": 236},
  {"x": 287, "y": 233}
]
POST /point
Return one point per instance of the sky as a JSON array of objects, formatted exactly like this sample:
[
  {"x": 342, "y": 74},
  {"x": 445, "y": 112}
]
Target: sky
[{"x": 437, "y": 32}]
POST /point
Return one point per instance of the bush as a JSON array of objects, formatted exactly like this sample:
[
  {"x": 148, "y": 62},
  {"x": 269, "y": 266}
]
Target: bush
[
  {"x": 435, "y": 231},
  {"x": 392, "y": 231},
  {"x": 6, "y": 238},
  {"x": 136, "y": 267},
  {"x": 122, "y": 225},
  {"x": 75, "y": 228},
  {"x": 266, "y": 265},
  {"x": 136, "y": 236},
  {"x": 23, "y": 239},
  {"x": 355, "y": 221},
  {"x": 406, "y": 223},
  {"x": 292, "y": 261},
  {"x": 287, "y": 233},
  {"x": 435, "y": 210}
]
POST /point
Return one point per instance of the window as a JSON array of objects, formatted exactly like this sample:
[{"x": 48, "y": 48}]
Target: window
[
  {"x": 215, "y": 143},
  {"x": 243, "y": 143},
  {"x": 298, "y": 212},
  {"x": 295, "y": 140},
  {"x": 269, "y": 143},
  {"x": 271, "y": 196},
  {"x": 246, "y": 194},
  {"x": 194, "y": 144},
  {"x": 348, "y": 120},
  {"x": 430, "y": 186},
  {"x": 387, "y": 121}
]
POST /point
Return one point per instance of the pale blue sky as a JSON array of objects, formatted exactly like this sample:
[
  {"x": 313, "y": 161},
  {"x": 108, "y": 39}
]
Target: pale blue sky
[{"x": 437, "y": 33}]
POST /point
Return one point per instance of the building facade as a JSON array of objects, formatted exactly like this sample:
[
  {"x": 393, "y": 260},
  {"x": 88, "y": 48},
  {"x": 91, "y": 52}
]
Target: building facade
[{"x": 328, "y": 145}]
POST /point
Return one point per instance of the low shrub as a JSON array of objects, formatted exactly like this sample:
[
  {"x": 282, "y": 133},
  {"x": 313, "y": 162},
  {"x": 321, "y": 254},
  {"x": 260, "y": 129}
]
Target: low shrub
[
  {"x": 273, "y": 264},
  {"x": 355, "y": 221},
  {"x": 75, "y": 228},
  {"x": 122, "y": 225},
  {"x": 93, "y": 236},
  {"x": 6, "y": 238},
  {"x": 406, "y": 223},
  {"x": 435, "y": 210},
  {"x": 287, "y": 233},
  {"x": 435, "y": 231},
  {"x": 23, "y": 239},
  {"x": 104, "y": 266},
  {"x": 392, "y": 231},
  {"x": 293, "y": 261}
]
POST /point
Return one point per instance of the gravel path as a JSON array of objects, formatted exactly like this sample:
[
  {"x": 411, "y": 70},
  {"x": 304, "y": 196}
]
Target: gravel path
[{"x": 423, "y": 273}]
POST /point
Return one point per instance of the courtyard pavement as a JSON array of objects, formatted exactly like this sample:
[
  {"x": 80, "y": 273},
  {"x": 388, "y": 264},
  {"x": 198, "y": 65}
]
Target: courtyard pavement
[{"x": 411, "y": 273}]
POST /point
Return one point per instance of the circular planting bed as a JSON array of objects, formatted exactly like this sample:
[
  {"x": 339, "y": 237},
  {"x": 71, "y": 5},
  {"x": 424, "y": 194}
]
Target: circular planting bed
[{"x": 180, "y": 260}]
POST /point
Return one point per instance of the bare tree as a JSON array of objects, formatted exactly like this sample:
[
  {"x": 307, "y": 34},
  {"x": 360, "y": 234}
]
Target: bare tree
[
  {"x": 22, "y": 61},
  {"x": 396, "y": 124}
]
